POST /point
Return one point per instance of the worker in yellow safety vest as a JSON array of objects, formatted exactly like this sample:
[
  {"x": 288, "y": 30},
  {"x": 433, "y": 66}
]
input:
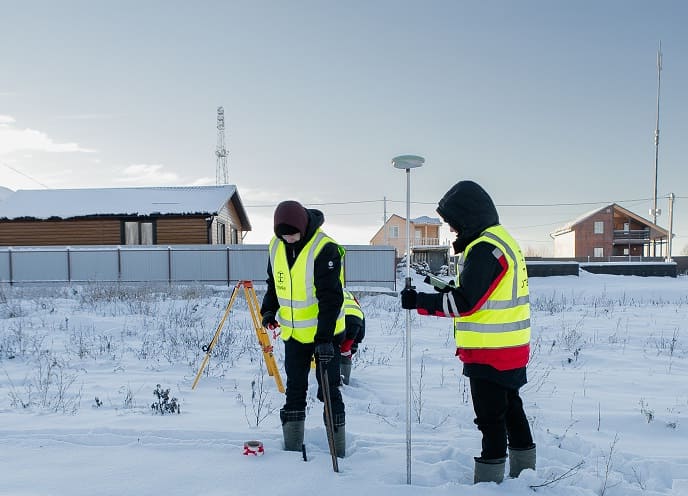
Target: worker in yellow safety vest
[
  {"x": 489, "y": 303},
  {"x": 354, "y": 334},
  {"x": 304, "y": 297}
]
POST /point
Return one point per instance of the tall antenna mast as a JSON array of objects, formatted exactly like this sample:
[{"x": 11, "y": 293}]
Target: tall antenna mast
[
  {"x": 655, "y": 212},
  {"x": 221, "y": 176}
]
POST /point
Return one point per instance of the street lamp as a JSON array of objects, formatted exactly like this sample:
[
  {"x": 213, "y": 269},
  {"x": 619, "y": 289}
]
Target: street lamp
[{"x": 408, "y": 162}]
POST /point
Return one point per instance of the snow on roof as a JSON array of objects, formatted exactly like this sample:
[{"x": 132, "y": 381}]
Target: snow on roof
[
  {"x": 424, "y": 219},
  {"x": 5, "y": 192},
  {"x": 68, "y": 203}
]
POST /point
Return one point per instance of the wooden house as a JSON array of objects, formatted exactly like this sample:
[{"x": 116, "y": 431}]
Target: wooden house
[
  {"x": 123, "y": 216},
  {"x": 425, "y": 239},
  {"x": 609, "y": 232}
]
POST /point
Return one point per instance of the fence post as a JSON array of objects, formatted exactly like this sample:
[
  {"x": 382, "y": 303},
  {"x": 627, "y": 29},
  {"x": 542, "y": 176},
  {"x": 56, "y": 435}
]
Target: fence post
[
  {"x": 9, "y": 252},
  {"x": 228, "y": 257},
  {"x": 119, "y": 263},
  {"x": 69, "y": 267}
]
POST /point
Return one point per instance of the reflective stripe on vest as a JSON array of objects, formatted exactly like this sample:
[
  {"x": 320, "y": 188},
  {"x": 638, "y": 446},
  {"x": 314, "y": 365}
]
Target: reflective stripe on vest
[
  {"x": 503, "y": 321},
  {"x": 295, "y": 288},
  {"x": 351, "y": 307}
]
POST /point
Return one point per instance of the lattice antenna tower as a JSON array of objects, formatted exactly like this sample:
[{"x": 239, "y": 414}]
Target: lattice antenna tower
[{"x": 221, "y": 175}]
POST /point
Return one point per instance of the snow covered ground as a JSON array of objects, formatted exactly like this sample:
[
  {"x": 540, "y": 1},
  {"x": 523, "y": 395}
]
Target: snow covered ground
[{"x": 607, "y": 397}]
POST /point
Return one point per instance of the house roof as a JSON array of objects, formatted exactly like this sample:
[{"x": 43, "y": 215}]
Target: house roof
[
  {"x": 424, "y": 219},
  {"x": 568, "y": 227},
  {"x": 72, "y": 203}
]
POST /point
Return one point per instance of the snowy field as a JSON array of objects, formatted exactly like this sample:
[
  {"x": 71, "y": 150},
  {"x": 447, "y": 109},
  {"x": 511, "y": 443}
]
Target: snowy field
[{"x": 79, "y": 367}]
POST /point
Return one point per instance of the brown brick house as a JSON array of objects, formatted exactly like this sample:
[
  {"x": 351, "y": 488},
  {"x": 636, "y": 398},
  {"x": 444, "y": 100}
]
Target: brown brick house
[
  {"x": 123, "y": 216},
  {"x": 610, "y": 231}
]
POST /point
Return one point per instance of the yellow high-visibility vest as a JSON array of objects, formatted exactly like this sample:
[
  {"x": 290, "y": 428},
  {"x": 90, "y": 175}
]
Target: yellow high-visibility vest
[
  {"x": 295, "y": 288},
  {"x": 503, "y": 320},
  {"x": 351, "y": 306}
]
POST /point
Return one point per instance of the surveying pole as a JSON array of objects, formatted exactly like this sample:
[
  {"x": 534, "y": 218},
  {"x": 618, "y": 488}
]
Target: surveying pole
[{"x": 408, "y": 162}]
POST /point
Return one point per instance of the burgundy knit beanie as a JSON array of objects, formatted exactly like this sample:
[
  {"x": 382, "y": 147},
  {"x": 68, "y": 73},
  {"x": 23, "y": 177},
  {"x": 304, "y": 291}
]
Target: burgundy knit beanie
[{"x": 290, "y": 217}]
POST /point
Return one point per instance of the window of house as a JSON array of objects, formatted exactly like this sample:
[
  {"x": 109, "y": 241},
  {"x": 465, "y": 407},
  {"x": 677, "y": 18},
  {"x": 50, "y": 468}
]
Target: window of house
[
  {"x": 599, "y": 227},
  {"x": 598, "y": 252},
  {"x": 221, "y": 233},
  {"x": 419, "y": 233},
  {"x": 393, "y": 231},
  {"x": 146, "y": 230},
  {"x": 233, "y": 236},
  {"x": 138, "y": 233},
  {"x": 626, "y": 252}
]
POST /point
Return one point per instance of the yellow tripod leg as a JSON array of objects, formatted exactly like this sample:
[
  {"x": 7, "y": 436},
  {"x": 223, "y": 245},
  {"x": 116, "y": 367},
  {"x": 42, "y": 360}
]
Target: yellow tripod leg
[
  {"x": 262, "y": 335},
  {"x": 215, "y": 338}
]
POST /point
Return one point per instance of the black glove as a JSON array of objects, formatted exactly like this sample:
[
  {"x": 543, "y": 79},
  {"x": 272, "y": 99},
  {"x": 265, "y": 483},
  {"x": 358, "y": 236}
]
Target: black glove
[
  {"x": 408, "y": 298},
  {"x": 269, "y": 321},
  {"x": 354, "y": 348},
  {"x": 324, "y": 352}
]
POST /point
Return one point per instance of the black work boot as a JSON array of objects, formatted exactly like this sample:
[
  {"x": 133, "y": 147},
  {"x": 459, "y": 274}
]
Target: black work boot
[{"x": 293, "y": 423}]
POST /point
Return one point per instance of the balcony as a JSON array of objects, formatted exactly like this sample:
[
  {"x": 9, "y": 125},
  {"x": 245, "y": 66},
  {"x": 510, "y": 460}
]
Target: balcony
[
  {"x": 631, "y": 237},
  {"x": 417, "y": 242}
]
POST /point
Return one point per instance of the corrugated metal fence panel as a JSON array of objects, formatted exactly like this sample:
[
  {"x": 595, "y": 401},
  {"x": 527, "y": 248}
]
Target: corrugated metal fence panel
[
  {"x": 40, "y": 265},
  {"x": 93, "y": 264},
  {"x": 4, "y": 265},
  {"x": 248, "y": 263},
  {"x": 193, "y": 264},
  {"x": 144, "y": 264},
  {"x": 370, "y": 266},
  {"x": 364, "y": 265}
]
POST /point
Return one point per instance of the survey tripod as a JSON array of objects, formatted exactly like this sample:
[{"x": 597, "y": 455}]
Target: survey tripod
[{"x": 261, "y": 333}]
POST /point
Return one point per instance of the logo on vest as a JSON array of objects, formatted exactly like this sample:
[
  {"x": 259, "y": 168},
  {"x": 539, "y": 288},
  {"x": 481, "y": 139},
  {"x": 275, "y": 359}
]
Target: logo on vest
[
  {"x": 330, "y": 264},
  {"x": 280, "y": 276}
]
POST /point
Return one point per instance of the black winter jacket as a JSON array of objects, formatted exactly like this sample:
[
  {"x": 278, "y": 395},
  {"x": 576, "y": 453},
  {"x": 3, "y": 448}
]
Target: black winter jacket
[{"x": 469, "y": 210}]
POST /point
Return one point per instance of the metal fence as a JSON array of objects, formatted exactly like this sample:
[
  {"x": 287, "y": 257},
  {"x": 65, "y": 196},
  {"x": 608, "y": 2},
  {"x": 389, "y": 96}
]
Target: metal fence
[{"x": 206, "y": 264}]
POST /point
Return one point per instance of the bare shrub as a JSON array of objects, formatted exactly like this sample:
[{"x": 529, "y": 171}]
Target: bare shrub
[
  {"x": 50, "y": 389},
  {"x": 261, "y": 406}
]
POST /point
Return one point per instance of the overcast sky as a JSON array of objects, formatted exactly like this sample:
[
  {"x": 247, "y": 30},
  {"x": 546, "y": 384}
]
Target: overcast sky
[{"x": 542, "y": 102}]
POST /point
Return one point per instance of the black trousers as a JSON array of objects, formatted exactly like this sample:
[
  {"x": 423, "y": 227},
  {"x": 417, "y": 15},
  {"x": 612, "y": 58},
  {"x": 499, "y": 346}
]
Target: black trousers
[
  {"x": 500, "y": 417},
  {"x": 297, "y": 363}
]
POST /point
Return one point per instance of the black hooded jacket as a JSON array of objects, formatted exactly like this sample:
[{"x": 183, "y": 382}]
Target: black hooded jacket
[
  {"x": 326, "y": 269},
  {"x": 469, "y": 210}
]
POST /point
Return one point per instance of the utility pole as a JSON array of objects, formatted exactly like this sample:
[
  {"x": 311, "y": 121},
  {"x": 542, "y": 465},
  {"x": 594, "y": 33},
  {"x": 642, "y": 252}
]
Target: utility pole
[
  {"x": 221, "y": 176},
  {"x": 654, "y": 212},
  {"x": 671, "y": 226},
  {"x": 384, "y": 219}
]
